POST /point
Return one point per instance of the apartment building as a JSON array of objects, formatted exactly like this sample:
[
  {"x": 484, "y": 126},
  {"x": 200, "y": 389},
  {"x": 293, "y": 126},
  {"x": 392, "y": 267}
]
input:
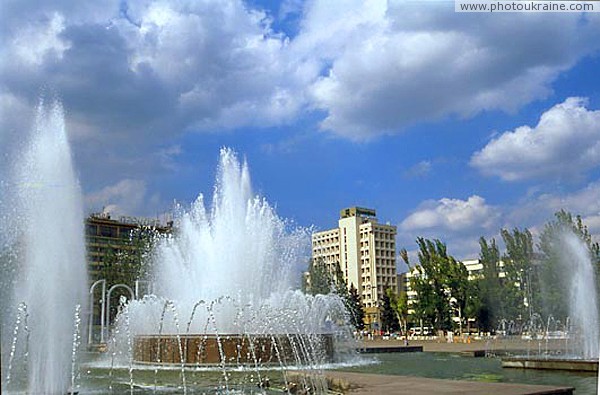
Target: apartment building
[{"x": 366, "y": 253}]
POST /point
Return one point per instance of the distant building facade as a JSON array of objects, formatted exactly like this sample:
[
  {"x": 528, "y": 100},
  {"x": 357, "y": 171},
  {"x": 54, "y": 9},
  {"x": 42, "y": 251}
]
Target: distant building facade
[
  {"x": 365, "y": 251},
  {"x": 107, "y": 238}
]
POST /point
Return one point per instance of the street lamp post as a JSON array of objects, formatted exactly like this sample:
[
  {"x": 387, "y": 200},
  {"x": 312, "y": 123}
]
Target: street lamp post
[
  {"x": 138, "y": 285},
  {"x": 131, "y": 293},
  {"x": 91, "y": 316}
]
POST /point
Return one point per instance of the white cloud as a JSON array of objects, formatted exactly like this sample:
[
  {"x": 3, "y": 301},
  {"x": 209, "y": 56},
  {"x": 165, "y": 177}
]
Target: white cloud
[
  {"x": 168, "y": 155},
  {"x": 451, "y": 214},
  {"x": 133, "y": 75},
  {"x": 460, "y": 223},
  {"x": 405, "y": 63},
  {"x": 593, "y": 224},
  {"x": 126, "y": 197},
  {"x": 419, "y": 170},
  {"x": 456, "y": 222},
  {"x": 536, "y": 209},
  {"x": 156, "y": 68},
  {"x": 36, "y": 41},
  {"x": 564, "y": 143},
  {"x": 232, "y": 70}
]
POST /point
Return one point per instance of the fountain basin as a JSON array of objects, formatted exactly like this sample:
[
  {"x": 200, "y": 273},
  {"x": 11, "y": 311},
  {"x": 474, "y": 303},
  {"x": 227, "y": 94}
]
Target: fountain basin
[
  {"x": 232, "y": 349},
  {"x": 576, "y": 365}
]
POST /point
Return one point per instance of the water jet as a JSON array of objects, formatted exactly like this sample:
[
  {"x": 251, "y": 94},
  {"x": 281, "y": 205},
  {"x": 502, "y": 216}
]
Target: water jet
[
  {"x": 49, "y": 254},
  {"x": 580, "y": 333}
]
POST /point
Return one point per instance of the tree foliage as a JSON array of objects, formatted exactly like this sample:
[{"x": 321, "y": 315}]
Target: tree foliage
[
  {"x": 355, "y": 308},
  {"x": 399, "y": 304},
  {"x": 513, "y": 285},
  {"x": 130, "y": 259},
  {"x": 441, "y": 283},
  {"x": 553, "y": 289},
  {"x": 521, "y": 277},
  {"x": 323, "y": 279},
  {"x": 490, "y": 304},
  {"x": 389, "y": 320},
  {"x": 320, "y": 279},
  {"x": 497, "y": 297}
]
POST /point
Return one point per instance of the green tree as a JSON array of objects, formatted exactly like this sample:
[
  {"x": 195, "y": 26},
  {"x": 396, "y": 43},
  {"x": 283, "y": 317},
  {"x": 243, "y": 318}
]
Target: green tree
[
  {"x": 522, "y": 279},
  {"x": 130, "y": 259},
  {"x": 424, "y": 306},
  {"x": 389, "y": 320},
  {"x": 355, "y": 308},
  {"x": 127, "y": 261},
  {"x": 490, "y": 305},
  {"x": 441, "y": 282},
  {"x": 324, "y": 279},
  {"x": 475, "y": 307},
  {"x": 339, "y": 283},
  {"x": 553, "y": 288},
  {"x": 320, "y": 279},
  {"x": 399, "y": 304},
  {"x": 457, "y": 285}
]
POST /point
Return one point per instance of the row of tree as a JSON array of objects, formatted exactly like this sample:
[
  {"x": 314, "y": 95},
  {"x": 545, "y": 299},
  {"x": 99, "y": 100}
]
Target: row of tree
[{"x": 526, "y": 279}]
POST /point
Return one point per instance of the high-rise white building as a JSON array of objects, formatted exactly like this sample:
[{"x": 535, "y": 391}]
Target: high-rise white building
[{"x": 366, "y": 253}]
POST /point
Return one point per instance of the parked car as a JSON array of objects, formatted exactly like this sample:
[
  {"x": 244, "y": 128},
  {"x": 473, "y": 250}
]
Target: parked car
[{"x": 420, "y": 331}]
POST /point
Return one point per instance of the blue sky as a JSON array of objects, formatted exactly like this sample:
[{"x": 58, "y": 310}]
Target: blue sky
[{"x": 450, "y": 125}]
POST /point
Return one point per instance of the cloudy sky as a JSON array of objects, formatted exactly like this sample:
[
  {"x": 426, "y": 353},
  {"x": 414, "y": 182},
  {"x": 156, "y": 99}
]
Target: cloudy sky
[{"x": 450, "y": 125}]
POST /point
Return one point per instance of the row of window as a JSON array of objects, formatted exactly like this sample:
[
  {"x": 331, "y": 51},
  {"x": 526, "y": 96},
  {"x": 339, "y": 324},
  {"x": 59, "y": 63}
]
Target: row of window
[
  {"x": 324, "y": 242},
  {"x": 105, "y": 250},
  {"x": 385, "y": 262},
  {"x": 385, "y": 244},
  {"x": 326, "y": 249},
  {"x": 384, "y": 253},
  {"x": 388, "y": 281},
  {"x": 108, "y": 231},
  {"x": 383, "y": 279},
  {"x": 385, "y": 270},
  {"x": 385, "y": 234},
  {"x": 105, "y": 240},
  {"x": 330, "y": 259}
]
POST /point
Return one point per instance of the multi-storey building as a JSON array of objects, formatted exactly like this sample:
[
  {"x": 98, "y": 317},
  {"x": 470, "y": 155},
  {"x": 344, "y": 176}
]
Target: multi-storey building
[
  {"x": 365, "y": 251},
  {"x": 107, "y": 238}
]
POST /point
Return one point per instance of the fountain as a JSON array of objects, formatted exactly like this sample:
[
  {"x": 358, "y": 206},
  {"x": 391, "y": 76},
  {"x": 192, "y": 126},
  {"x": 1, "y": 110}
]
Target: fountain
[
  {"x": 580, "y": 333},
  {"x": 49, "y": 249},
  {"x": 224, "y": 313},
  {"x": 583, "y": 296},
  {"x": 224, "y": 291}
]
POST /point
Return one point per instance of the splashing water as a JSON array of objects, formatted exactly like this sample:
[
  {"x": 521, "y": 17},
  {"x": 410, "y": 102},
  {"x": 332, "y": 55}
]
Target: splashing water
[
  {"x": 231, "y": 270},
  {"x": 48, "y": 218},
  {"x": 583, "y": 308},
  {"x": 239, "y": 247}
]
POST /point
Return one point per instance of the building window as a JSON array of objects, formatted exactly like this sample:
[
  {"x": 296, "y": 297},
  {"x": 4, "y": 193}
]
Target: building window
[
  {"x": 108, "y": 231},
  {"x": 91, "y": 230}
]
